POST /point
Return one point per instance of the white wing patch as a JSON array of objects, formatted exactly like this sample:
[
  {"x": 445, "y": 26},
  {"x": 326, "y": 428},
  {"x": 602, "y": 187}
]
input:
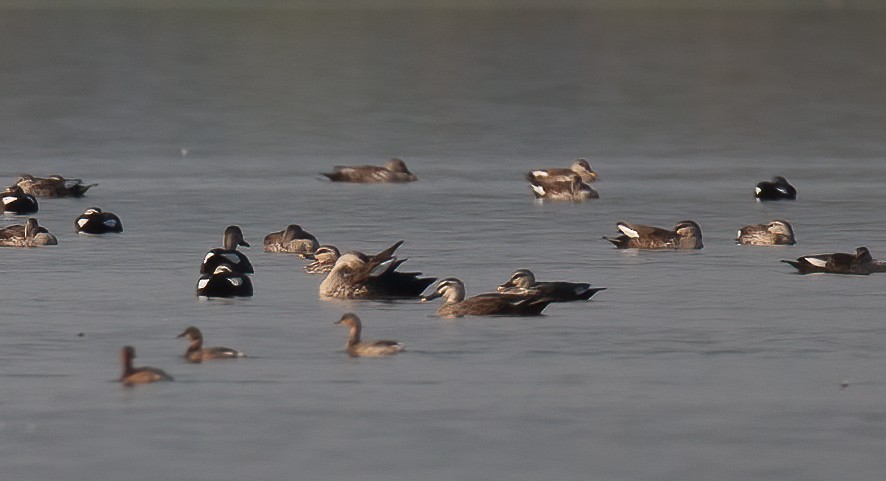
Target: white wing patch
[
  {"x": 816, "y": 261},
  {"x": 235, "y": 281},
  {"x": 758, "y": 190},
  {"x": 539, "y": 173},
  {"x": 539, "y": 190},
  {"x": 782, "y": 190},
  {"x": 628, "y": 231},
  {"x": 202, "y": 283},
  {"x": 111, "y": 223},
  {"x": 208, "y": 256},
  {"x": 738, "y": 234},
  {"x": 82, "y": 222},
  {"x": 9, "y": 200}
]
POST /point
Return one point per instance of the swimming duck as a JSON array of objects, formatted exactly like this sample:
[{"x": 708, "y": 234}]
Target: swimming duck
[
  {"x": 580, "y": 167},
  {"x": 570, "y": 189},
  {"x": 860, "y": 263},
  {"x": 17, "y": 201},
  {"x": 454, "y": 304},
  {"x": 357, "y": 348},
  {"x": 775, "y": 233},
  {"x": 394, "y": 171},
  {"x": 197, "y": 353},
  {"x": 686, "y": 235},
  {"x": 357, "y": 276},
  {"x": 228, "y": 254},
  {"x": 224, "y": 281},
  {"x": 28, "y": 235},
  {"x": 139, "y": 375},
  {"x": 778, "y": 189},
  {"x": 53, "y": 186},
  {"x": 292, "y": 239},
  {"x": 324, "y": 259},
  {"x": 523, "y": 283},
  {"x": 94, "y": 221}
]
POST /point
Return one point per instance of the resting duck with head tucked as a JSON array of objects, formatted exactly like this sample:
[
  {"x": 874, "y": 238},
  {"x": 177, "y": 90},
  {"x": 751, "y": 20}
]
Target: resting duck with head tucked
[
  {"x": 454, "y": 304},
  {"x": 17, "y": 201},
  {"x": 28, "y": 235},
  {"x": 357, "y": 276},
  {"x": 324, "y": 259},
  {"x": 53, "y": 186},
  {"x": 775, "y": 233},
  {"x": 292, "y": 239},
  {"x": 197, "y": 353},
  {"x": 358, "y": 348},
  {"x": 777, "y": 189},
  {"x": 580, "y": 167},
  {"x": 523, "y": 283},
  {"x": 394, "y": 171},
  {"x": 686, "y": 235},
  {"x": 94, "y": 221},
  {"x": 228, "y": 254},
  {"x": 860, "y": 263},
  {"x": 139, "y": 375},
  {"x": 570, "y": 189}
]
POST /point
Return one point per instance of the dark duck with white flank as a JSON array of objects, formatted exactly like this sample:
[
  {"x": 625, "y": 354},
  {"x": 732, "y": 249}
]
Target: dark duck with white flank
[
  {"x": 323, "y": 259},
  {"x": 196, "y": 353},
  {"x": 53, "y": 186},
  {"x": 357, "y": 276},
  {"x": 17, "y": 201},
  {"x": 571, "y": 189},
  {"x": 859, "y": 263},
  {"x": 139, "y": 375},
  {"x": 30, "y": 234},
  {"x": 228, "y": 254},
  {"x": 580, "y": 167},
  {"x": 686, "y": 235},
  {"x": 394, "y": 171},
  {"x": 293, "y": 239},
  {"x": 777, "y": 189},
  {"x": 454, "y": 304},
  {"x": 359, "y": 348},
  {"x": 224, "y": 281},
  {"x": 522, "y": 283},
  {"x": 775, "y": 233},
  {"x": 94, "y": 221}
]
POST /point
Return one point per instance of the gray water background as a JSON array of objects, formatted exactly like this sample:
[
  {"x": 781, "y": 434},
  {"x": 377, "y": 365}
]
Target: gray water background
[{"x": 719, "y": 363}]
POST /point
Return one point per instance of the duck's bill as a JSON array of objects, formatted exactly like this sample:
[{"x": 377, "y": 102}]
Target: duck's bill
[{"x": 430, "y": 297}]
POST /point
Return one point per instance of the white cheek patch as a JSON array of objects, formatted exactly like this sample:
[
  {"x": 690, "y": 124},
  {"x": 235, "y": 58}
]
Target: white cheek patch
[
  {"x": 539, "y": 190},
  {"x": 738, "y": 234},
  {"x": 758, "y": 190},
  {"x": 82, "y": 222},
  {"x": 628, "y": 231},
  {"x": 235, "y": 281},
  {"x": 202, "y": 283},
  {"x": 539, "y": 173},
  {"x": 817, "y": 262},
  {"x": 9, "y": 200}
]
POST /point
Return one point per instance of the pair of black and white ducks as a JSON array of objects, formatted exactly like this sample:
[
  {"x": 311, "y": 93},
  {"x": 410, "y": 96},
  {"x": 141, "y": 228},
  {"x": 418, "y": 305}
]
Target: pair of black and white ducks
[
  {"x": 225, "y": 270},
  {"x": 572, "y": 184}
]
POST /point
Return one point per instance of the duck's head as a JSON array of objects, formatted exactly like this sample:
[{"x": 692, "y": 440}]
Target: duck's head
[
  {"x": 127, "y": 354},
  {"x": 583, "y": 167},
  {"x": 324, "y": 253},
  {"x": 451, "y": 289},
  {"x": 192, "y": 334},
  {"x": 349, "y": 319},
  {"x": 780, "y": 227},
  {"x": 863, "y": 254},
  {"x": 521, "y": 278},
  {"x": 292, "y": 232},
  {"x": 31, "y": 228},
  {"x": 690, "y": 231},
  {"x": 14, "y": 189},
  {"x": 26, "y": 178},
  {"x": 234, "y": 237},
  {"x": 397, "y": 165}
]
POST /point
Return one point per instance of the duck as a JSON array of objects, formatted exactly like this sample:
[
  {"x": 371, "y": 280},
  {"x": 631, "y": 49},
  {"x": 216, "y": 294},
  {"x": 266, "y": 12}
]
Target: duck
[
  {"x": 393, "y": 171},
  {"x": 139, "y": 375},
  {"x": 358, "y": 276},
  {"x": 357, "y": 348},
  {"x": 53, "y": 186},
  {"x": 686, "y": 235},
  {"x": 292, "y": 239},
  {"x": 579, "y": 167},
  {"x": 859, "y": 263},
  {"x": 323, "y": 259},
  {"x": 228, "y": 253},
  {"x": 570, "y": 189},
  {"x": 777, "y": 232},
  {"x": 31, "y": 234},
  {"x": 94, "y": 221},
  {"x": 452, "y": 291},
  {"x": 17, "y": 201},
  {"x": 196, "y": 353},
  {"x": 522, "y": 282},
  {"x": 224, "y": 281},
  {"x": 778, "y": 189}
]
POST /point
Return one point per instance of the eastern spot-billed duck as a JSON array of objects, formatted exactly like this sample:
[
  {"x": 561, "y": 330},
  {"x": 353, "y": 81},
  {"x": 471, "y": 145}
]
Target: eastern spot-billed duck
[
  {"x": 17, "y": 201},
  {"x": 454, "y": 304},
  {"x": 775, "y": 233},
  {"x": 53, "y": 186},
  {"x": 778, "y": 189},
  {"x": 224, "y": 281},
  {"x": 860, "y": 263},
  {"x": 197, "y": 353},
  {"x": 357, "y": 348},
  {"x": 686, "y": 235},
  {"x": 323, "y": 259},
  {"x": 394, "y": 171},
  {"x": 228, "y": 254},
  {"x": 292, "y": 239},
  {"x": 570, "y": 189},
  {"x": 523, "y": 283},
  {"x": 94, "y": 221},
  {"x": 357, "y": 276},
  {"x": 139, "y": 375},
  {"x": 580, "y": 167},
  {"x": 28, "y": 235}
]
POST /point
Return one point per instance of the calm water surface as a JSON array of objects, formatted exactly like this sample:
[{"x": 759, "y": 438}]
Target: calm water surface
[{"x": 719, "y": 363}]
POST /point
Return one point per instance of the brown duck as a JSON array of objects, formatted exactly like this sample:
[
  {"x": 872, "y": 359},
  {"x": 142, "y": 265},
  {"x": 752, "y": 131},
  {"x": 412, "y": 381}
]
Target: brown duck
[
  {"x": 686, "y": 235},
  {"x": 197, "y": 353},
  {"x": 393, "y": 171},
  {"x": 359, "y": 348},
  {"x": 139, "y": 375},
  {"x": 775, "y": 233},
  {"x": 454, "y": 304}
]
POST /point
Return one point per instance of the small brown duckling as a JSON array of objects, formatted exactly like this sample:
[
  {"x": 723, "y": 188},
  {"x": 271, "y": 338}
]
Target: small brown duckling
[
  {"x": 394, "y": 171},
  {"x": 357, "y": 348},
  {"x": 139, "y": 375},
  {"x": 196, "y": 353},
  {"x": 775, "y": 233}
]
